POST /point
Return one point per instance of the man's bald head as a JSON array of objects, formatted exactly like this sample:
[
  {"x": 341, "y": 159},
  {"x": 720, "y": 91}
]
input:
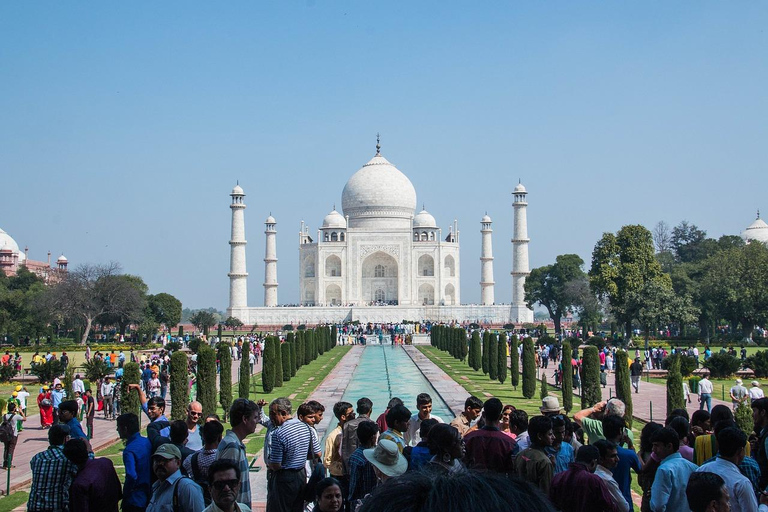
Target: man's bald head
[{"x": 194, "y": 413}]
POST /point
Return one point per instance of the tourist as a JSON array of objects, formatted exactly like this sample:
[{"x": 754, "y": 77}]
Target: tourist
[
  {"x": 46, "y": 407},
  {"x": 447, "y": 449},
  {"x": 738, "y": 394},
  {"x": 386, "y": 459},
  {"x": 550, "y": 406},
  {"x": 362, "y": 477},
  {"x": 349, "y": 439},
  {"x": 197, "y": 465},
  {"x": 533, "y": 464},
  {"x": 424, "y": 406},
  {"x": 668, "y": 489},
  {"x": 382, "y": 419},
  {"x": 22, "y": 395},
  {"x": 578, "y": 489},
  {"x": 96, "y": 486},
  {"x": 613, "y": 429},
  {"x": 472, "y": 408},
  {"x": 755, "y": 391},
  {"x": 730, "y": 453},
  {"x": 590, "y": 420},
  {"x": 707, "y": 492},
  {"x": 650, "y": 463},
  {"x": 562, "y": 451},
  {"x": 680, "y": 425},
  {"x": 705, "y": 393},
  {"x": 292, "y": 441},
  {"x": 328, "y": 496},
  {"x": 504, "y": 426},
  {"x": 609, "y": 459},
  {"x": 244, "y": 417},
  {"x": 760, "y": 417},
  {"x": 419, "y": 455},
  {"x": 107, "y": 395},
  {"x": 332, "y": 453},
  {"x": 398, "y": 418},
  {"x": 487, "y": 448},
  {"x": 705, "y": 446},
  {"x": 137, "y": 461},
  {"x": 518, "y": 426},
  {"x": 265, "y": 422},
  {"x": 178, "y": 438},
  {"x": 57, "y": 396},
  {"x": 154, "y": 408},
  {"x": 153, "y": 385},
  {"x": 13, "y": 418},
  {"x": 90, "y": 412},
  {"x": 635, "y": 372},
  {"x": 68, "y": 416},
  {"x": 52, "y": 475},
  {"x": 172, "y": 491},
  {"x": 223, "y": 483}
]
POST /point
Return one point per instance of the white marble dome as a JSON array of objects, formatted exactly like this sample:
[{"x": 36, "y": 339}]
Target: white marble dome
[
  {"x": 237, "y": 191},
  {"x": 334, "y": 220},
  {"x": 758, "y": 231},
  {"x": 378, "y": 189},
  {"x": 424, "y": 220},
  {"x": 62, "y": 259},
  {"x": 7, "y": 242},
  {"x": 485, "y": 218},
  {"x": 270, "y": 220},
  {"x": 519, "y": 189}
]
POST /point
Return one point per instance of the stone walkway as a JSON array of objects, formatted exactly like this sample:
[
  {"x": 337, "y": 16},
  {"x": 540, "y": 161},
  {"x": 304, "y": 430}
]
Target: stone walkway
[{"x": 451, "y": 391}]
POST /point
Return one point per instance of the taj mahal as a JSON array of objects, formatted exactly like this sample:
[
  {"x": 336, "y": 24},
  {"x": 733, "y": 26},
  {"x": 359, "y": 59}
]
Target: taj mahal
[{"x": 379, "y": 261}]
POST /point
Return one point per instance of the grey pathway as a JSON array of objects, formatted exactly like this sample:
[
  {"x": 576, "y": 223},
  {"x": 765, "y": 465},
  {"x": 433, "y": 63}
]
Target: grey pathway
[{"x": 449, "y": 390}]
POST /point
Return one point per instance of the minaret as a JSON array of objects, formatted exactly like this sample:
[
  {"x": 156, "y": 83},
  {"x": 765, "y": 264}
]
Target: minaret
[
  {"x": 270, "y": 264},
  {"x": 520, "y": 270},
  {"x": 238, "y": 277},
  {"x": 486, "y": 263}
]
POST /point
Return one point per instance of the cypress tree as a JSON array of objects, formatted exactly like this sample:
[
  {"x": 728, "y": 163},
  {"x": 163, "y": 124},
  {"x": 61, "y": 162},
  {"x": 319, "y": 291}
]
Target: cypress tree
[
  {"x": 321, "y": 332},
  {"x": 129, "y": 401},
  {"x": 502, "y": 372},
  {"x": 307, "y": 347},
  {"x": 268, "y": 366},
  {"x": 675, "y": 398},
  {"x": 225, "y": 378},
  {"x": 590, "y": 370},
  {"x": 493, "y": 356},
  {"x": 244, "y": 386},
  {"x": 286, "y": 350},
  {"x": 623, "y": 384},
  {"x": 291, "y": 340},
  {"x": 529, "y": 369},
  {"x": 514, "y": 362},
  {"x": 475, "y": 351},
  {"x": 181, "y": 333},
  {"x": 334, "y": 336},
  {"x": 312, "y": 338},
  {"x": 179, "y": 385},
  {"x": 567, "y": 378},
  {"x": 544, "y": 393},
  {"x": 455, "y": 350},
  {"x": 299, "y": 349},
  {"x": 463, "y": 344},
  {"x": 220, "y": 333},
  {"x": 278, "y": 362},
  {"x": 206, "y": 379},
  {"x": 486, "y": 348}
]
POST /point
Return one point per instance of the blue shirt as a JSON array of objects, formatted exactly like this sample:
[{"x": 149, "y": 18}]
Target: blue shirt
[
  {"x": 563, "y": 456},
  {"x": 138, "y": 466},
  {"x": 75, "y": 429},
  {"x": 165, "y": 432},
  {"x": 56, "y": 398},
  {"x": 668, "y": 490},
  {"x": 627, "y": 460}
]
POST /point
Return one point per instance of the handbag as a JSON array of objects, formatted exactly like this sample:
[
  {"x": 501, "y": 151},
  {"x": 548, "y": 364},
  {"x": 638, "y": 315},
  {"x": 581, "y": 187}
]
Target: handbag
[{"x": 318, "y": 471}]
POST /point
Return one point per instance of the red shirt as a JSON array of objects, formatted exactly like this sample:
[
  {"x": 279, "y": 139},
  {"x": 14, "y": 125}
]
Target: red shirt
[
  {"x": 489, "y": 449},
  {"x": 578, "y": 490}
]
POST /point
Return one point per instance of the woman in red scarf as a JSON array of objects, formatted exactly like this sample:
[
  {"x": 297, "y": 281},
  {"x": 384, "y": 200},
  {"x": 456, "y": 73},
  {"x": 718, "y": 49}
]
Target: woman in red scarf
[{"x": 46, "y": 407}]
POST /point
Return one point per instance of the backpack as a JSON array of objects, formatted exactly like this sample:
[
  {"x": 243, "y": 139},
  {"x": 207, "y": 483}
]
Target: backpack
[
  {"x": 6, "y": 429},
  {"x": 175, "y": 500},
  {"x": 199, "y": 480}
]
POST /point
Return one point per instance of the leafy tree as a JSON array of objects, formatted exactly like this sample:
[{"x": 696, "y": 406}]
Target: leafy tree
[
  {"x": 514, "y": 362},
  {"x": 493, "y": 357},
  {"x": 95, "y": 370},
  {"x": 675, "y": 397},
  {"x": 233, "y": 323},
  {"x": 548, "y": 286},
  {"x": 544, "y": 391},
  {"x": 285, "y": 348},
  {"x": 203, "y": 320},
  {"x": 179, "y": 385},
  {"x": 127, "y": 296},
  {"x": 206, "y": 379},
  {"x": 722, "y": 365},
  {"x": 585, "y": 304},
  {"x": 655, "y": 303},
  {"x": 567, "y": 378},
  {"x": 590, "y": 390},
  {"x": 225, "y": 378},
  {"x": 623, "y": 384},
  {"x": 486, "y": 350},
  {"x": 21, "y": 305},
  {"x": 529, "y": 369},
  {"x": 687, "y": 240},
  {"x": 244, "y": 385},
  {"x": 502, "y": 359},
  {"x": 69, "y": 378},
  {"x": 165, "y": 308},
  {"x": 291, "y": 341},
  {"x": 475, "y": 350},
  {"x": 268, "y": 366},
  {"x": 622, "y": 264},
  {"x": 743, "y": 417},
  {"x": 130, "y": 402},
  {"x": 758, "y": 363},
  {"x": 687, "y": 363}
]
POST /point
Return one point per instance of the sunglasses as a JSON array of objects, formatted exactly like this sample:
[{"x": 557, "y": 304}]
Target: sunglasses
[
  {"x": 220, "y": 484},
  {"x": 193, "y": 413}
]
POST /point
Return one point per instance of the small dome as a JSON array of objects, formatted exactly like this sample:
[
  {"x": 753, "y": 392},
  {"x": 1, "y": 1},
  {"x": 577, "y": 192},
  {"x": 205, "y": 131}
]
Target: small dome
[
  {"x": 758, "y": 230},
  {"x": 334, "y": 220},
  {"x": 237, "y": 191},
  {"x": 62, "y": 259},
  {"x": 424, "y": 220},
  {"x": 485, "y": 218},
  {"x": 520, "y": 189},
  {"x": 270, "y": 220},
  {"x": 7, "y": 242}
]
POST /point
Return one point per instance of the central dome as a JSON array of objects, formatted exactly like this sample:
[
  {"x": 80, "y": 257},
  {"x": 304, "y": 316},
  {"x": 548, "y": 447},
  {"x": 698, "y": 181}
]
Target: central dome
[{"x": 378, "y": 190}]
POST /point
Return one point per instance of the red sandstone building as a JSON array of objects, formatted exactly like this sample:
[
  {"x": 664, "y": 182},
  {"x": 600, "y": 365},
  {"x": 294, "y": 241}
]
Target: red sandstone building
[{"x": 11, "y": 259}]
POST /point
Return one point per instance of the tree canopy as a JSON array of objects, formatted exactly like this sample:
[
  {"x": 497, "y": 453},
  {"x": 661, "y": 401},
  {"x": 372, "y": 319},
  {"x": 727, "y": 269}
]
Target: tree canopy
[{"x": 551, "y": 287}]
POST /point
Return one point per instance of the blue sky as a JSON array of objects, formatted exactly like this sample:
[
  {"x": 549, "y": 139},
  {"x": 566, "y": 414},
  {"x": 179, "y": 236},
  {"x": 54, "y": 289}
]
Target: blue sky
[{"x": 123, "y": 127}]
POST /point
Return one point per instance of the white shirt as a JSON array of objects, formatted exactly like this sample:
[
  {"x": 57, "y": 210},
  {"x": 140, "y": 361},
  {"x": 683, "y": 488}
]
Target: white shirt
[
  {"x": 77, "y": 385},
  {"x": 412, "y": 437},
  {"x": 754, "y": 393},
  {"x": 705, "y": 386},
  {"x": 613, "y": 488},
  {"x": 213, "y": 508},
  {"x": 106, "y": 389},
  {"x": 22, "y": 397},
  {"x": 739, "y": 487}
]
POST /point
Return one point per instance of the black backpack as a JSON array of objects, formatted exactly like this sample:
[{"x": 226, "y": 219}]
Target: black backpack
[
  {"x": 197, "y": 477},
  {"x": 6, "y": 429}
]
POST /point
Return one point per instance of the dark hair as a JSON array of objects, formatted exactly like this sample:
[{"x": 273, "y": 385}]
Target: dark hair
[
  {"x": 315, "y": 406},
  {"x": 519, "y": 419},
  {"x": 730, "y": 440},
  {"x": 220, "y": 465},
  {"x": 587, "y": 454},
  {"x": 157, "y": 402},
  {"x": 69, "y": 406},
  {"x": 211, "y": 431},
  {"x": 12, "y": 407},
  {"x": 703, "y": 488},
  {"x": 364, "y": 406},
  {"x": 426, "y": 426},
  {"x": 340, "y": 408},
  {"x": 241, "y": 408},
  {"x": 179, "y": 432},
  {"x": 442, "y": 437},
  {"x": 57, "y": 434},
  {"x": 604, "y": 446},
  {"x": 666, "y": 436},
  {"x": 538, "y": 425},
  {"x": 366, "y": 430},
  {"x": 432, "y": 491},
  {"x": 423, "y": 399},
  {"x": 398, "y": 413},
  {"x": 676, "y": 413},
  {"x": 613, "y": 426},
  {"x": 473, "y": 403},
  {"x": 393, "y": 402},
  {"x": 325, "y": 483},
  {"x": 701, "y": 416},
  {"x": 492, "y": 409},
  {"x": 761, "y": 404},
  {"x": 645, "y": 436},
  {"x": 719, "y": 413},
  {"x": 304, "y": 410},
  {"x": 681, "y": 426},
  {"x": 130, "y": 421},
  {"x": 76, "y": 451},
  {"x": 722, "y": 425},
  {"x": 558, "y": 421}
]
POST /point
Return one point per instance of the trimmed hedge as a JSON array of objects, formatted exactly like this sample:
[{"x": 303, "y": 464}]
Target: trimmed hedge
[
  {"x": 206, "y": 379},
  {"x": 130, "y": 402},
  {"x": 623, "y": 384},
  {"x": 493, "y": 357},
  {"x": 590, "y": 376},
  {"x": 502, "y": 358},
  {"x": 179, "y": 385},
  {"x": 567, "y": 377},
  {"x": 279, "y": 366},
  {"x": 529, "y": 369},
  {"x": 244, "y": 386},
  {"x": 675, "y": 397},
  {"x": 285, "y": 348},
  {"x": 544, "y": 392},
  {"x": 475, "y": 350},
  {"x": 514, "y": 362},
  {"x": 268, "y": 366},
  {"x": 225, "y": 378},
  {"x": 486, "y": 350}
]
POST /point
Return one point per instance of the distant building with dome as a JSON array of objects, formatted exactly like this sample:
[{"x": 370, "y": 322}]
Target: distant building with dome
[
  {"x": 12, "y": 258},
  {"x": 378, "y": 260},
  {"x": 757, "y": 231}
]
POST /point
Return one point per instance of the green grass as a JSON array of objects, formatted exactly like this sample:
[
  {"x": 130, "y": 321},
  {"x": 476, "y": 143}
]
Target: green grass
[{"x": 16, "y": 499}]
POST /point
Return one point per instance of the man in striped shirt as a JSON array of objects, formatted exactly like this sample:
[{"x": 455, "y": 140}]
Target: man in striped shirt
[
  {"x": 52, "y": 474},
  {"x": 244, "y": 417},
  {"x": 292, "y": 442}
]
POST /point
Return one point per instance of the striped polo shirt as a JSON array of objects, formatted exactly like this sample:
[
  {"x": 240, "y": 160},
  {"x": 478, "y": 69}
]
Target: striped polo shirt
[
  {"x": 232, "y": 448},
  {"x": 290, "y": 444}
]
